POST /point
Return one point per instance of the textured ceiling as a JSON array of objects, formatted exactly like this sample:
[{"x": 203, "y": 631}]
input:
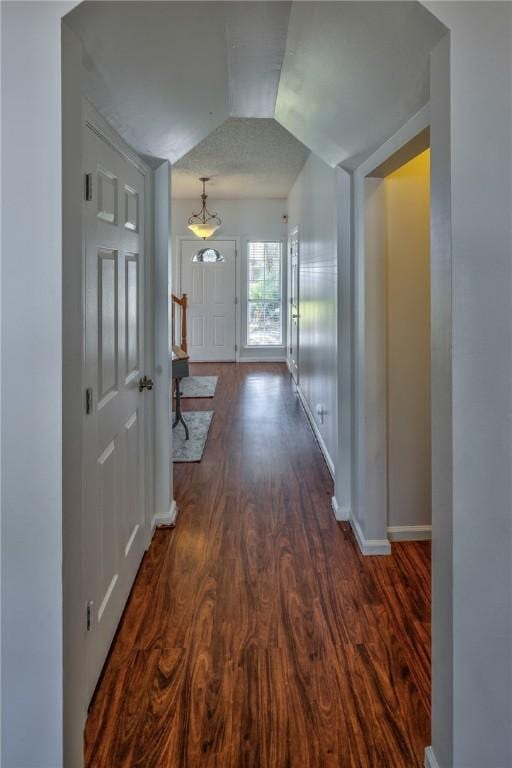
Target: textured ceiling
[{"x": 244, "y": 158}]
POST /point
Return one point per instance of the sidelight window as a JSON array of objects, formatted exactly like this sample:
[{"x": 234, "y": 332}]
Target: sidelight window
[{"x": 264, "y": 294}]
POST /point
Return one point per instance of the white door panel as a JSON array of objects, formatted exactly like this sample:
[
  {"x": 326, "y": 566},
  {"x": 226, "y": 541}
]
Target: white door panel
[
  {"x": 211, "y": 291},
  {"x": 114, "y": 521}
]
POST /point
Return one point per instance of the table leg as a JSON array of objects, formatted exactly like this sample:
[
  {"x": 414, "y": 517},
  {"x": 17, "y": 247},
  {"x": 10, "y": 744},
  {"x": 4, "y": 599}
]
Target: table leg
[{"x": 178, "y": 417}]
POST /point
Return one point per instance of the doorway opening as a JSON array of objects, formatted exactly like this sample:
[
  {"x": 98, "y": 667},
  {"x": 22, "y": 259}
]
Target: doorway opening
[{"x": 397, "y": 244}]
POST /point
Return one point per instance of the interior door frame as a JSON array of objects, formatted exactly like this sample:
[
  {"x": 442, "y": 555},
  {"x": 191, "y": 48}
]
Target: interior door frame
[
  {"x": 370, "y": 340},
  {"x": 177, "y": 276},
  {"x": 294, "y": 233}
]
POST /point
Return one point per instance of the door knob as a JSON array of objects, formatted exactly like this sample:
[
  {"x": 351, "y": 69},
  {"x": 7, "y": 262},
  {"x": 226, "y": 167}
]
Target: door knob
[
  {"x": 145, "y": 383},
  {"x": 294, "y": 317}
]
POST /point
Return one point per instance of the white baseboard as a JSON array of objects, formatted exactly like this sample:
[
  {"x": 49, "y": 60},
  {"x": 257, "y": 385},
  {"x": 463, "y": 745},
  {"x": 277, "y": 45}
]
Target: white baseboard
[
  {"x": 410, "y": 532},
  {"x": 168, "y": 519},
  {"x": 430, "y": 759},
  {"x": 369, "y": 546},
  {"x": 316, "y": 432},
  {"x": 339, "y": 513},
  {"x": 261, "y": 359}
]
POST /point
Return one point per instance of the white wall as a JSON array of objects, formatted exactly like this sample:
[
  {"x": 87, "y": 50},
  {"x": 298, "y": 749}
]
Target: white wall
[
  {"x": 441, "y": 280},
  {"x": 72, "y": 398},
  {"x": 342, "y": 500},
  {"x": 407, "y": 222},
  {"x": 32, "y": 676},
  {"x": 248, "y": 220},
  {"x": 312, "y": 208},
  {"x": 477, "y": 434},
  {"x": 371, "y": 510},
  {"x": 164, "y": 508}
]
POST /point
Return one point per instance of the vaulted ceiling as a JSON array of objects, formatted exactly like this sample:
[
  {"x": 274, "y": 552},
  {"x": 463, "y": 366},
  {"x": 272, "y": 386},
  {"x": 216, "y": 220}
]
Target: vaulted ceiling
[
  {"x": 353, "y": 73},
  {"x": 256, "y": 40},
  {"x": 341, "y": 77}
]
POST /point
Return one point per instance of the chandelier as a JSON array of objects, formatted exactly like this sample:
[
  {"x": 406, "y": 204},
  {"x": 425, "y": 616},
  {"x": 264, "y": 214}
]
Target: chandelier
[{"x": 204, "y": 223}]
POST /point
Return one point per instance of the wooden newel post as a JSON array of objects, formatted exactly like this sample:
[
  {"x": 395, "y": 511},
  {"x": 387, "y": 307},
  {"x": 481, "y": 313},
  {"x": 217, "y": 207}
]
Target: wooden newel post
[{"x": 182, "y": 303}]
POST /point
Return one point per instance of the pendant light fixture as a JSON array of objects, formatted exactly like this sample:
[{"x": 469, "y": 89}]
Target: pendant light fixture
[{"x": 204, "y": 223}]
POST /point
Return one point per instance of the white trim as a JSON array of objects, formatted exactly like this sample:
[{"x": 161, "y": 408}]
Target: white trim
[
  {"x": 339, "y": 513},
  {"x": 162, "y": 269},
  {"x": 345, "y": 356},
  {"x": 415, "y": 125},
  {"x": 149, "y": 343},
  {"x": 293, "y": 233},
  {"x": 165, "y": 520},
  {"x": 370, "y": 390},
  {"x": 244, "y": 295},
  {"x": 262, "y": 359},
  {"x": 316, "y": 431},
  {"x": 265, "y": 346},
  {"x": 369, "y": 546},
  {"x": 409, "y": 532},
  {"x": 430, "y": 759},
  {"x": 101, "y": 128}
]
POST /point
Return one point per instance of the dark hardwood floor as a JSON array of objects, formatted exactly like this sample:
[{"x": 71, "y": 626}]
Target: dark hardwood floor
[{"x": 256, "y": 635}]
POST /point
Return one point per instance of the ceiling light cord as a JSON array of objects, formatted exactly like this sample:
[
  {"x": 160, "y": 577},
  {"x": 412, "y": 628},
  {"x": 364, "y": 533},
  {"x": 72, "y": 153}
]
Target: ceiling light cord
[{"x": 204, "y": 223}]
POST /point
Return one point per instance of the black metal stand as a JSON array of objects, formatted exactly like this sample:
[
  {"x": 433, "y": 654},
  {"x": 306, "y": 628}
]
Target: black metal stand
[{"x": 178, "y": 417}]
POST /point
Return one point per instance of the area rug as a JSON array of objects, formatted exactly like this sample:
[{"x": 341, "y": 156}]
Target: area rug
[
  {"x": 198, "y": 423},
  {"x": 198, "y": 386}
]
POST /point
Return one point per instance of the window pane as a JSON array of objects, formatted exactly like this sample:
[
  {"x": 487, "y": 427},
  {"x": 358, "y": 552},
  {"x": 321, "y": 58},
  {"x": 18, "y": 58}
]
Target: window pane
[
  {"x": 264, "y": 323},
  {"x": 264, "y": 310}
]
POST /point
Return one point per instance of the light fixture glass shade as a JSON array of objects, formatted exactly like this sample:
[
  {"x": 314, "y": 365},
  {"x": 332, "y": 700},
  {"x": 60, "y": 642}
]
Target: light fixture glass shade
[
  {"x": 203, "y": 230},
  {"x": 207, "y": 256}
]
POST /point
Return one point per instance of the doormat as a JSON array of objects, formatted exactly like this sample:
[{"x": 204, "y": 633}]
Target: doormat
[
  {"x": 198, "y": 423},
  {"x": 198, "y": 386}
]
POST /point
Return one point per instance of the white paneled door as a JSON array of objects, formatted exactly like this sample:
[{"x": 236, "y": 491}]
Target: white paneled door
[
  {"x": 114, "y": 493},
  {"x": 294, "y": 306},
  {"x": 211, "y": 291}
]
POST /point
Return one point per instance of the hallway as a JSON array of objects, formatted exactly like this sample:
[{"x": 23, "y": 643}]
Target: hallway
[{"x": 256, "y": 634}]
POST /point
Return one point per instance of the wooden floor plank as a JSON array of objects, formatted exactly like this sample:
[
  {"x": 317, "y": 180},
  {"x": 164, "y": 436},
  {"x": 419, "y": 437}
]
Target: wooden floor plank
[{"x": 256, "y": 634}]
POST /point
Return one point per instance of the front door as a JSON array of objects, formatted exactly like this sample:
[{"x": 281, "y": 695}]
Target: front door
[
  {"x": 294, "y": 306},
  {"x": 211, "y": 292},
  {"x": 114, "y": 492}
]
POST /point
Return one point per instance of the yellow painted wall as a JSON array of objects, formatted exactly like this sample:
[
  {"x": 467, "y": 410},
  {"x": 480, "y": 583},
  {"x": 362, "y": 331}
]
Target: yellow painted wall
[{"x": 407, "y": 228}]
